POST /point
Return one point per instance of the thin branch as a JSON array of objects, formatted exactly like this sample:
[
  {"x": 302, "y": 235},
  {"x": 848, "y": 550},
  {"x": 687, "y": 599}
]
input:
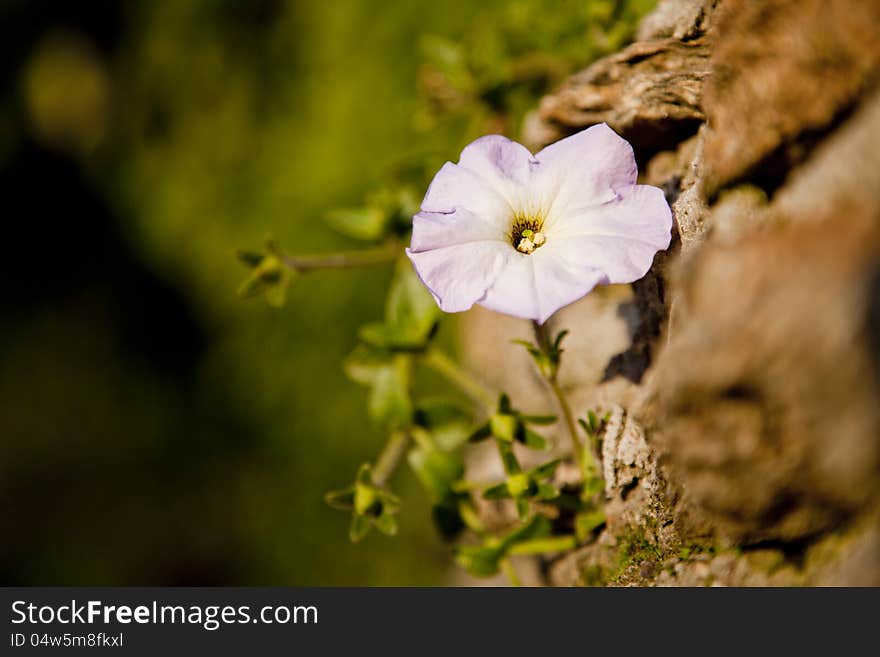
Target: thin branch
[
  {"x": 508, "y": 569},
  {"x": 545, "y": 545},
  {"x": 544, "y": 343},
  {"x": 390, "y": 457},
  {"x": 464, "y": 380},
  {"x": 344, "y": 259}
]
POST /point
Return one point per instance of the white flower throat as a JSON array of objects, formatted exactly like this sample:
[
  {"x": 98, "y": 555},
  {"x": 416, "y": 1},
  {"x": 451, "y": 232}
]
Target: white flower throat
[{"x": 526, "y": 232}]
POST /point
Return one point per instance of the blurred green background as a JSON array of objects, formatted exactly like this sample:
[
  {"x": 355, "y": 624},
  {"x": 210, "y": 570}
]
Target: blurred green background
[{"x": 154, "y": 428}]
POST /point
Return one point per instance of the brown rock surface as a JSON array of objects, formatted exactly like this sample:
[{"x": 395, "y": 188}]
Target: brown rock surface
[
  {"x": 742, "y": 375},
  {"x": 782, "y": 73},
  {"x": 768, "y": 401},
  {"x": 650, "y": 93}
]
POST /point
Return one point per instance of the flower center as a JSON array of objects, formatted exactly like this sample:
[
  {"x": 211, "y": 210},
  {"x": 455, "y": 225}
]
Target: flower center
[{"x": 525, "y": 232}]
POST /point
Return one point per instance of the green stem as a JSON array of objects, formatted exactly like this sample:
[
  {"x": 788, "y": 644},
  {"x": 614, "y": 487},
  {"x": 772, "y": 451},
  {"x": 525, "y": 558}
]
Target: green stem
[
  {"x": 344, "y": 259},
  {"x": 423, "y": 439},
  {"x": 543, "y": 339},
  {"x": 467, "y": 383},
  {"x": 390, "y": 457},
  {"x": 508, "y": 458},
  {"x": 544, "y": 545},
  {"x": 508, "y": 569},
  {"x": 471, "y": 518}
]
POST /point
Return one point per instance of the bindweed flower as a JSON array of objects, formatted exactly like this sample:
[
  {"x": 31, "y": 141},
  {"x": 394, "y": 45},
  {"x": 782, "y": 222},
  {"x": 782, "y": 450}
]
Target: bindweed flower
[{"x": 527, "y": 235}]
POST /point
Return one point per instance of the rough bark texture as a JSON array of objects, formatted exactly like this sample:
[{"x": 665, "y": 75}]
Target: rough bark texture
[{"x": 743, "y": 374}]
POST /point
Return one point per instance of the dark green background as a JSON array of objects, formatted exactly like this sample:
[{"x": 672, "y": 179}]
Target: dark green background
[{"x": 155, "y": 429}]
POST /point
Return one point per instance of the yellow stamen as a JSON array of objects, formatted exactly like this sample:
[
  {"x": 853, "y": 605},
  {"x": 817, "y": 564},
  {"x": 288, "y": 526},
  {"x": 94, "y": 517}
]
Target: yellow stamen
[{"x": 525, "y": 245}]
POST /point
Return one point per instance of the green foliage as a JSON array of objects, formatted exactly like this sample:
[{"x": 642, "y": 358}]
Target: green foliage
[
  {"x": 484, "y": 559},
  {"x": 388, "y": 376},
  {"x": 484, "y": 81},
  {"x": 588, "y": 521},
  {"x": 522, "y": 487},
  {"x": 547, "y": 356},
  {"x": 447, "y": 421},
  {"x": 386, "y": 212},
  {"x": 440, "y": 474},
  {"x": 594, "y": 427},
  {"x": 370, "y": 505},
  {"x": 411, "y": 314},
  {"x": 492, "y": 75},
  {"x": 282, "y": 111},
  {"x": 269, "y": 276},
  {"x": 507, "y": 425}
]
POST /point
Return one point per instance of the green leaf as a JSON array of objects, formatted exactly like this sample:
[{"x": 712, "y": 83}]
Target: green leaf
[
  {"x": 273, "y": 284},
  {"x": 360, "y": 525},
  {"x": 522, "y": 508},
  {"x": 558, "y": 341},
  {"x": 520, "y": 485},
  {"x": 544, "y": 361},
  {"x": 341, "y": 499},
  {"x": 484, "y": 560},
  {"x": 435, "y": 413},
  {"x": 364, "y": 475},
  {"x": 480, "y": 433},
  {"x": 504, "y": 405},
  {"x": 388, "y": 376},
  {"x": 391, "y": 338},
  {"x": 437, "y": 471},
  {"x": 363, "y": 364},
  {"x": 545, "y": 470},
  {"x": 411, "y": 314},
  {"x": 390, "y": 502},
  {"x": 540, "y": 420},
  {"x": 592, "y": 482},
  {"x": 366, "y": 223},
  {"x": 448, "y": 423},
  {"x": 276, "y": 295},
  {"x": 480, "y": 561},
  {"x": 546, "y": 492},
  {"x": 410, "y": 309},
  {"x": 530, "y": 347},
  {"x": 496, "y": 492},
  {"x": 249, "y": 259},
  {"x": 537, "y": 527},
  {"x": 386, "y": 523},
  {"x": 366, "y": 500},
  {"x": 389, "y": 402},
  {"x": 504, "y": 426},
  {"x": 593, "y": 421},
  {"x": 534, "y": 440},
  {"x": 588, "y": 521},
  {"x": 269, "y": 277},
  {"x": 253, "y": 286}
]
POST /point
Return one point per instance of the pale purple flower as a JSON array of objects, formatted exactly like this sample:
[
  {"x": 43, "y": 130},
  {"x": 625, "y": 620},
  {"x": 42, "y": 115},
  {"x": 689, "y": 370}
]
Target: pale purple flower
[{"x": 526, "y": 235}]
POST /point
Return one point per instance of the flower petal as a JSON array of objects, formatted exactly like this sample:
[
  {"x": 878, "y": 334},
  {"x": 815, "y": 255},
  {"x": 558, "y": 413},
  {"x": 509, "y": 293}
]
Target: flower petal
[
  {"x": 619, "y": 238},
  {"x": 586, "y": 169},
  {"x": 455, "y": 187},
  {"x": 459, "y": 275},
  {"x": 514, "y": 291},
  {"x": 506, "y": 165},
  {"x": 561, "y": 281},
  {"x": 435, "y": 230},
  {"x": 536, "y": 286}
]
